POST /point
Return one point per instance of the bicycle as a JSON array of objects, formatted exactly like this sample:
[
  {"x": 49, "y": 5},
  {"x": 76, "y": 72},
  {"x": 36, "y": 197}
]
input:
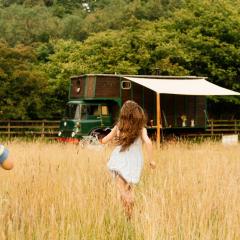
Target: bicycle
[{"x": 90, "y": 140}]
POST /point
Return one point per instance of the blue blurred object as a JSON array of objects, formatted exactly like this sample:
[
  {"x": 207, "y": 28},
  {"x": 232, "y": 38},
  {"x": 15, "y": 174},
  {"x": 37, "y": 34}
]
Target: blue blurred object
[{"x": 3, "y": 154}]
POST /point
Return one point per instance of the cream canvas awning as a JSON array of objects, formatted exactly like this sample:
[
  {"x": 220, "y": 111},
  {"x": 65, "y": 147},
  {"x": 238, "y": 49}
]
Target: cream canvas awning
[{"x": 182, "y": 86}]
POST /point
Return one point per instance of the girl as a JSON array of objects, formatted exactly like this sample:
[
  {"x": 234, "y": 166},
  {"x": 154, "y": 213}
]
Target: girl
[
  {"x": 5, "y": 163},
  {"x": 126, "y": 160}
]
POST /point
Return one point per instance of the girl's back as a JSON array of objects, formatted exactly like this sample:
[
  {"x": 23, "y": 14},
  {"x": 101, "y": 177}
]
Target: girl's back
[{"x": 128, "y": 163}]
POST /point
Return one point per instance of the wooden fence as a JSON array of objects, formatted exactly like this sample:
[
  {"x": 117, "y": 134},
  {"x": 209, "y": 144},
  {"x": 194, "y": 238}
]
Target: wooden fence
[
  {"x": 220, "y": 127},
  {"x": 49, "y": 129},
  {"x": 31, "y": 128}
]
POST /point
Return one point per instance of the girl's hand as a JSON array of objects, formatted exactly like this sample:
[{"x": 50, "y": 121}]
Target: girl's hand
[{"x": 152, "y": 164}]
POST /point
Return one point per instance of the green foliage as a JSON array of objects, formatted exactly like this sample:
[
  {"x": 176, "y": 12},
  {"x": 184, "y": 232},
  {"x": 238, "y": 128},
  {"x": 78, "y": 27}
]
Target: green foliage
[
  {"x": 73, "y": 27},
  {"x": 64, "y": 38},
  {"x": 19, "y": 24},
  {"x": 207, "y": 33},
  {"x": 7, "y": 3},
  {"x": 43, "y": 51},
  {"x": 69, "y": 5},
  {"x": 22, "y": 85}
]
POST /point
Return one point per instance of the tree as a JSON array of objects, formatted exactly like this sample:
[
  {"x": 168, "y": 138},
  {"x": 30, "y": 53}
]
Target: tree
[
  {"x": 178, "y": 37},
  {"x": 22, "y": 86},
  {"x": 19, "y": 24}
]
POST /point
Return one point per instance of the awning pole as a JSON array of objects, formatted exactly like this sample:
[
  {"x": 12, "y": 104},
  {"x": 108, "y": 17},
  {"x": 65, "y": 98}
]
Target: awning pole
[{"x": 158, "y": 119}]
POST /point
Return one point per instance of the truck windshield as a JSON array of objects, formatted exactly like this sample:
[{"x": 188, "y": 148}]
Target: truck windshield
[
  {"x": 84, "y": 111},
  {"x": 89, "y": 110},
  {"x": 73, "y": 111}
]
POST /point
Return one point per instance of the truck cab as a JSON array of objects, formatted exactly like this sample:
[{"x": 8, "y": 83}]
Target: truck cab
[{"x": 82, "y": 118}]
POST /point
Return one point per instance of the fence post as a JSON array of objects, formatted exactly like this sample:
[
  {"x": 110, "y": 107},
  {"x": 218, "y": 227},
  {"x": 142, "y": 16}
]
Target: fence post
[
  {"x": 43, "y": 129},
  {"x": 9, "y": 128},
  {"x": 235, "y": 126},
  {"x": 211, "y": 127}
]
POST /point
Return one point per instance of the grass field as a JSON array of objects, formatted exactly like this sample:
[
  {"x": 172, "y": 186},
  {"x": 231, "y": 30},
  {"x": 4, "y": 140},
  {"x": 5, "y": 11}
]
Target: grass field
[{"x": 61, "y": 191}]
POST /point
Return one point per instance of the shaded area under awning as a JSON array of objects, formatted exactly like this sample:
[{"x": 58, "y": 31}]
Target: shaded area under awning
[{"x": 178, "y": 85}]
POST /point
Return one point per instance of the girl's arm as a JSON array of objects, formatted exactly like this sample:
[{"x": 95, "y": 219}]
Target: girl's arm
[
  {"x": 148, "y": 143},
  {"x": 110, "y": 136}
]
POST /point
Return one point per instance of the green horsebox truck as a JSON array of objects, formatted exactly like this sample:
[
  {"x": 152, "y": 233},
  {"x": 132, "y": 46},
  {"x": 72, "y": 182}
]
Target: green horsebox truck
[{"x": 95, "y": 101}]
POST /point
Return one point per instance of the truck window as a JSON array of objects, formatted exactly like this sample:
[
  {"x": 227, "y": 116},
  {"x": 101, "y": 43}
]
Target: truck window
[
  {"x": 126, "y": 85},
  {"x": 105, "y": 111},
  {"x": 90, "y": 110},
  {"x": 77, "y": 112},
  {"x": 97, "y": 110},
  {"x": 72, "y": 111}
]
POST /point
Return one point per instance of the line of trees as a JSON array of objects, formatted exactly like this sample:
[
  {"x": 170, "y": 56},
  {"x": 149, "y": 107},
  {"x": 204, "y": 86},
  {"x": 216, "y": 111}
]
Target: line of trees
[{"x": 44, "y": 42}]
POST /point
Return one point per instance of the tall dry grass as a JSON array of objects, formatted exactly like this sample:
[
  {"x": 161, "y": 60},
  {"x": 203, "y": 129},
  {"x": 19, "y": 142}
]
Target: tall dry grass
[{"x": 59, "y": 191}]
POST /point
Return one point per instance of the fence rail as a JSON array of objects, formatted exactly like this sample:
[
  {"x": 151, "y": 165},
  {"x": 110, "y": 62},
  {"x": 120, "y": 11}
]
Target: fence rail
[
  {"x": 49, "y": 128},
  {"x": 31, "y": 128},
  {"x": 215, "y": 127}
]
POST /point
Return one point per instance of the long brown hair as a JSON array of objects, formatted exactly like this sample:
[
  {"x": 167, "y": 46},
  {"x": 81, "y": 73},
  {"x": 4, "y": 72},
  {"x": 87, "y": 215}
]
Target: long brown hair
[{"x": 130, "y": 124}]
